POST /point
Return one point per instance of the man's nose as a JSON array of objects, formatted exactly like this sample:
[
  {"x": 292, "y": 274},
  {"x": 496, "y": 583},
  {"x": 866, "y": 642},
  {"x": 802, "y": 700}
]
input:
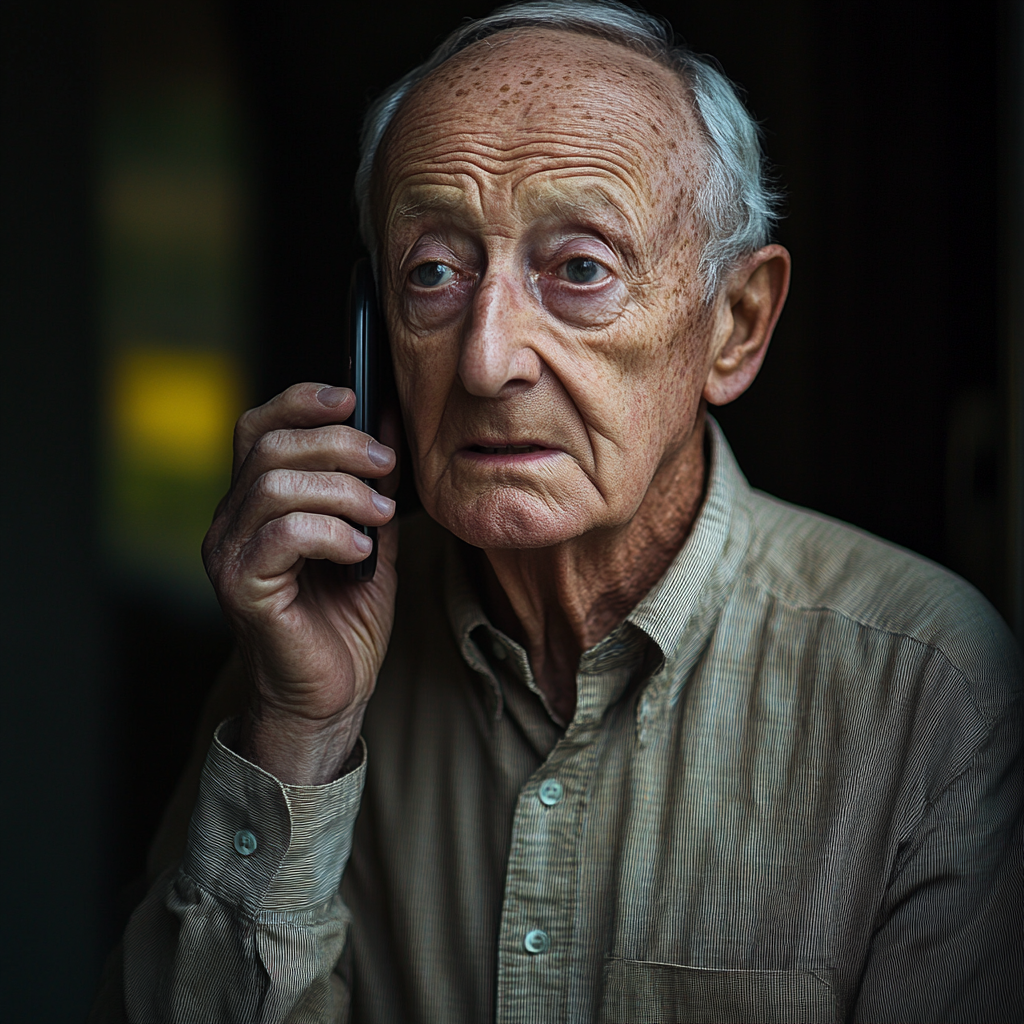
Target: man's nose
[{"x": 496, "y": 346}]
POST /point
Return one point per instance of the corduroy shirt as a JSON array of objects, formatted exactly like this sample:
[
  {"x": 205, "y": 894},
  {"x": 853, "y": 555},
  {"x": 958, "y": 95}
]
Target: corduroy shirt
[{"x": 791, "y": 791}]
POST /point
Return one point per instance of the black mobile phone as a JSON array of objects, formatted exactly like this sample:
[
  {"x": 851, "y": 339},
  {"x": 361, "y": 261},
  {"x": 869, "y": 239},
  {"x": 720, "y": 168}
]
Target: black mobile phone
[{"x": 365, "y": 342}]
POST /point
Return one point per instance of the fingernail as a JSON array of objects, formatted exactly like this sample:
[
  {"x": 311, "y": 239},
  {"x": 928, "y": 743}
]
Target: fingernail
[
  {"x": 362, "y": 542},
  {"x": 332, "y": 397},
  {"x": 379, "y": 454},
  {"x": 385, "y": 506}
]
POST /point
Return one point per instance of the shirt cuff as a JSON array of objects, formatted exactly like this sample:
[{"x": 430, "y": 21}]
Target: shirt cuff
[{"x": 262, "y": 845}]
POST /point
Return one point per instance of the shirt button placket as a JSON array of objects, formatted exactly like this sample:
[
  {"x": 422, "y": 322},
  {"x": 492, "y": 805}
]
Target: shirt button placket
[{"x": 540, "y": 887}]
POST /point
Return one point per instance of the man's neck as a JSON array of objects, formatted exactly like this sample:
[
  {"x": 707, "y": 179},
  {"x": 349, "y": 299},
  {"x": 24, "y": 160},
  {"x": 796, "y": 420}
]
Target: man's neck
[{"x": 558, "y": 602}]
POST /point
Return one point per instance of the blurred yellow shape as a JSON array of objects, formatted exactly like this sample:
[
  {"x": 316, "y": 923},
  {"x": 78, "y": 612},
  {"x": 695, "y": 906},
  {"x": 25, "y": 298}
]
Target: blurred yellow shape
[{"x": 175, "y": 408}]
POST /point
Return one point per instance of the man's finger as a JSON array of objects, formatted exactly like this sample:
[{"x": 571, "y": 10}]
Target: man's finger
[
  {"x": 276, "y": 493},
  {"x": 280, "y": 545},
  {"x": 301, "y": 405},
  {"x": 329, "y": 449}
]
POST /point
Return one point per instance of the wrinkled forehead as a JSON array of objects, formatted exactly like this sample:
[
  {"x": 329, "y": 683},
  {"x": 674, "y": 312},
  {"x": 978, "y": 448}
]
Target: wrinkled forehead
[{"x": 534, "y": 109}]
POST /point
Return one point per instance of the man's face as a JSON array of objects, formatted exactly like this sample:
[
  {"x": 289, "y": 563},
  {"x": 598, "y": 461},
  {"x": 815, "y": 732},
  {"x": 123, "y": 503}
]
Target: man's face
[{"x": 540, "y": 275}]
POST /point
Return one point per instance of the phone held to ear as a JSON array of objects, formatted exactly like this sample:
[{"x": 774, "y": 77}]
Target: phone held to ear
[{"x": 365, "y": 340}]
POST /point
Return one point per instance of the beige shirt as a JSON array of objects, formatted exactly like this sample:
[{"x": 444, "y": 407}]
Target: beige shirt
[{"x": 791, "y": 791}]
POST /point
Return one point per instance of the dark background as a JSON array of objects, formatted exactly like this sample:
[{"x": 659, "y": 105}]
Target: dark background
[{"x": 891, "y": 397}]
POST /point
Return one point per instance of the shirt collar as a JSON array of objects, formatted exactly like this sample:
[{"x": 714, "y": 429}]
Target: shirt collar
[{"x": 706, "y": 564}]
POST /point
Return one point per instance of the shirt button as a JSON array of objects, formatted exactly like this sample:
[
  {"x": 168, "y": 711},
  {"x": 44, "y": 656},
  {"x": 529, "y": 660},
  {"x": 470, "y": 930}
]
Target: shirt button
[
  {"x": 550, "y": 792},
  {"x": 498, "y": 650},
  {"x": 537, "y": 941},
  {"x": 245, "y": 842}
]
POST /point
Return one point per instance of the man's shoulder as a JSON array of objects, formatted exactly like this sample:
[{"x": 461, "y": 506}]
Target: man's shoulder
[{"x": 810, "y": 561}]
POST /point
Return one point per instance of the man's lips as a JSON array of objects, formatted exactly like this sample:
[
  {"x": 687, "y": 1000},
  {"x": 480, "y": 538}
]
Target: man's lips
[
  {"x": 505, "y": 449},
  {"x": 490, "y": 448}
]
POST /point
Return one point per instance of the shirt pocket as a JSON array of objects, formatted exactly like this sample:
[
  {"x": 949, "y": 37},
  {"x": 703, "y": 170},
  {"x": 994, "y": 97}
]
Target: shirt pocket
[{"x": 639, "y": 992}]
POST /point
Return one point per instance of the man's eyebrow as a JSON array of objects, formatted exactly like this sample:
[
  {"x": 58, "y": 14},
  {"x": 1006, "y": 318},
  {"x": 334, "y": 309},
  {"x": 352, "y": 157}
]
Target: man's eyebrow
[
  {"x": 421, "y": 203},
  {"x": 572, "y": 201}
]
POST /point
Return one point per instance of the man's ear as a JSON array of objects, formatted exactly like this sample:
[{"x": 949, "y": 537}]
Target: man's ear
[{"x": 749, "y": 308}]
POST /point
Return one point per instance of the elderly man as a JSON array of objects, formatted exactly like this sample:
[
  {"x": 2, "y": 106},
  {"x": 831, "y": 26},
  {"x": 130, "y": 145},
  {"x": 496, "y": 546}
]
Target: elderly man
[{"x": 640, "y": 743}]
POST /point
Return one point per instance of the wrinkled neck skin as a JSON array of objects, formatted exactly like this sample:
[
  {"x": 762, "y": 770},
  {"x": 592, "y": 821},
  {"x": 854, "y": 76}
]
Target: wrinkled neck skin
[{"x": 558, "y": 602}]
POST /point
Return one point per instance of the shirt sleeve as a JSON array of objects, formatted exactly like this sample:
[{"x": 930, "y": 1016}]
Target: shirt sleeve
[
  {"x": 251, "y": 925},
  {"x": 949, "y": 943}
]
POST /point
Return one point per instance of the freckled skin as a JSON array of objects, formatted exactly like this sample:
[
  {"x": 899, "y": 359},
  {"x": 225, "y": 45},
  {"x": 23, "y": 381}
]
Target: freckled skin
[{"x": 505, "y": 182}]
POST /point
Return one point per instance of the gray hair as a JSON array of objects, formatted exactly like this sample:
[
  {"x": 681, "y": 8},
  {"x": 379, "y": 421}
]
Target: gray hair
[{"x": 734, "y": 202}]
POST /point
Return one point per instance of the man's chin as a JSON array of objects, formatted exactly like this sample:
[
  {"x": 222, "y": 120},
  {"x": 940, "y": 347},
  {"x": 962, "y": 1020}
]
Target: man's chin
[{"x": 508, "y": 518}]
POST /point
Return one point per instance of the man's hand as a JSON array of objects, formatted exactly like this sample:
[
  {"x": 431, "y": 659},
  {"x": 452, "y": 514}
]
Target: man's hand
[{"x": 312, "y": 642}]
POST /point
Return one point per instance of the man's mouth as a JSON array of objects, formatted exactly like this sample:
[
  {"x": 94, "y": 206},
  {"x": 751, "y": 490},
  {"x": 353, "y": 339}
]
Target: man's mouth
[{"x": 505, "y": 449}]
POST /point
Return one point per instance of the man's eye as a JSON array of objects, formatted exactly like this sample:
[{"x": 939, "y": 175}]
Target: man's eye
[
  {"x": 432, "y": 275},
  {"x": 581, "y": 270}
]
